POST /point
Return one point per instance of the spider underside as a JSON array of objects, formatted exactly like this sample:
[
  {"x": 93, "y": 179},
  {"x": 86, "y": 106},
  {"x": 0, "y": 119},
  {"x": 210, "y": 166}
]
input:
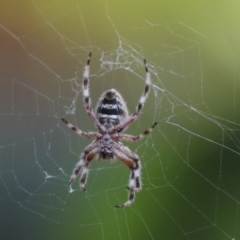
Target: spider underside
[{"x": 111, "y": 118}]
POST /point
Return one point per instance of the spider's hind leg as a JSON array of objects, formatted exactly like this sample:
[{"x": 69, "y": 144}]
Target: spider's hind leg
[
  {"x": 86, "y": 95},
  {"x": 120, "y": 127},
  {"x": 134, "y": 187}
]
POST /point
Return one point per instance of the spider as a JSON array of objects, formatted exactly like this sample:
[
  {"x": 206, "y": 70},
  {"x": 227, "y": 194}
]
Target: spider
[{"x": 111, "y": 118}]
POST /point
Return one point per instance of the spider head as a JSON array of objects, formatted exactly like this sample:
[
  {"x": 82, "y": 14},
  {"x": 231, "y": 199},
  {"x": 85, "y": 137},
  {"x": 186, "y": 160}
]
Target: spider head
[
  {"x": 111, "y": 109},
  {"x": 106, "y": 154}
]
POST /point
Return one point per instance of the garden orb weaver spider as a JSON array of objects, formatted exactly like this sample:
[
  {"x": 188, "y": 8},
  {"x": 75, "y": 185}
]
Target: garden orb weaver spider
[{"x": 111, "y": 118}]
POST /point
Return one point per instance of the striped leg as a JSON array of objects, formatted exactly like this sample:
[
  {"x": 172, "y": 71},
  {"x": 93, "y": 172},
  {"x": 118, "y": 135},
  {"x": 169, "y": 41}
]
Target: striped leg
[
  {"x": 78, "y": 168},
  {"x": 86, "y": 82},
  {"x": 130, "y": 138},
  {"x": 133, "y": 162},
  {"x": 80, "y": 132},
  {"x": 86, "y": 94},
  {"x": 85, "y": 170},
  {"x": 146, "y": 90},
  {"x": 142, "y": 100},
  {"x": 82, "y": 162}
]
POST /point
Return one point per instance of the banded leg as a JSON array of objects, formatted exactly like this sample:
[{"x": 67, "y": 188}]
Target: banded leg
[
  {"x": 77, "y": 168},
  {"x": 85, "y": 170},
  {"x": 141, "y": 102},
  {"x": 146, "y": 90},
  {"x": 86, "y": 94},
  {"x": 82, "y": 161},
  {"x": 131, "y": 199},
  {"x": 86, "y": 82},
  {"x": 135, "y": 181},
  {"x": 130, "y": 138},
  {"x": 80, "y": 132},
  {"x": 136, "y": 170}
]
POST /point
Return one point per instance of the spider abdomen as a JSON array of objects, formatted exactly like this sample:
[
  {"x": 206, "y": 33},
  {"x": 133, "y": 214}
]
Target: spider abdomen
[{"x": 111, "y": 109}]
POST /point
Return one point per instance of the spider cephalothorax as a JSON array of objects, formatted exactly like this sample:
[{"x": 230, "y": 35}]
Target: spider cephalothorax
[{"x": 111, "y": 118}]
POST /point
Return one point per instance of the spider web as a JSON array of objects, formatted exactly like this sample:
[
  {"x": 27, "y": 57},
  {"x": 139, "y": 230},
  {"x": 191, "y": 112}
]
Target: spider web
[{"x": 190, "y": 162}]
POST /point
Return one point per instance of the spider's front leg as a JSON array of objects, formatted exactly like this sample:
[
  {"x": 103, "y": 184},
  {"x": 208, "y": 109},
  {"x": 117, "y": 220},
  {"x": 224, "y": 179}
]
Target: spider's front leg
[
  {"x": 85, "y": 170},
  {"x": 135, "y": 185},
  {"x": 87, "y": 155}
]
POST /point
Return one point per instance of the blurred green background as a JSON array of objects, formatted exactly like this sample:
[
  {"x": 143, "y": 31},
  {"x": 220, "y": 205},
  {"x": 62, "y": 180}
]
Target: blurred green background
[{"x": 191, "y": 161}]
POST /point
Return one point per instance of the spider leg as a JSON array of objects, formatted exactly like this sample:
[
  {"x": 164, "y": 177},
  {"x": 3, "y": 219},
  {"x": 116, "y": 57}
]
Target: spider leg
[
  {"x": 80, "y": 132},
  {"x": 135, "y": 181},
  {"x": 146, "y": 89},
  {"x": 132, "y": 161},
  {"x": 141, "y": 102},
  {"x": 77, "y": 168},
  {"x": 86, "y": 82},
  {"x": 85, "y": 170},
  {"x": 81, "y": 163},
  {"x": 130, "y": 200},
  {"x": 86, "y": 95},
  {"x": 130, "y": 138}
]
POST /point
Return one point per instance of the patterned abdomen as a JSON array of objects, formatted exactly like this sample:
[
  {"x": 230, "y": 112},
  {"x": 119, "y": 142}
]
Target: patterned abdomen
[{"x": 111, "y": 109}]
